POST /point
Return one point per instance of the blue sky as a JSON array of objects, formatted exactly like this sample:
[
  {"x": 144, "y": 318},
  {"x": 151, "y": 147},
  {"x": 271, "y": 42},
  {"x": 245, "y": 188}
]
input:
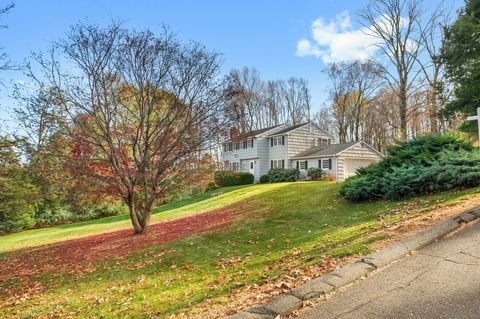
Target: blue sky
[{"x": 261, "y": 34}]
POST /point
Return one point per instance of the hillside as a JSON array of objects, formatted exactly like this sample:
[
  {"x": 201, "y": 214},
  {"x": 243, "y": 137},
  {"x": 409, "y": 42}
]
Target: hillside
[{"x": 199, "y": 252}]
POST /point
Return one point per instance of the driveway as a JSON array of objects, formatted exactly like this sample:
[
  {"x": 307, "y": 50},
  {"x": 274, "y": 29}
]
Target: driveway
[{"x": 441, "y": 280}]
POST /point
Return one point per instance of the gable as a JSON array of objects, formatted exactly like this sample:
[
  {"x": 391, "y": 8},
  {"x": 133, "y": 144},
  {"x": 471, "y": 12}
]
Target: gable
[{"x": 360, "y": 149}]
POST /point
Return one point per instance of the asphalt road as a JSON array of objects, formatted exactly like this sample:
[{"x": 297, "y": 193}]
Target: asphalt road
[{"x": 439, "y": 281}]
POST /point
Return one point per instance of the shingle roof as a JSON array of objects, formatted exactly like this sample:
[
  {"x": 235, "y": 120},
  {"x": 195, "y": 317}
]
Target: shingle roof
[
  {"x": 256, "y": 132},
  {"x": 288, "y": 129},
  {"x": 325, "y": 150}
]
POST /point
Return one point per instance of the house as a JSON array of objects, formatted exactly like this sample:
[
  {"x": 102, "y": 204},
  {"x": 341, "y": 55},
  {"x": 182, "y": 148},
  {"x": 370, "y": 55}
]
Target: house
[{"x": 295, "y": 146}]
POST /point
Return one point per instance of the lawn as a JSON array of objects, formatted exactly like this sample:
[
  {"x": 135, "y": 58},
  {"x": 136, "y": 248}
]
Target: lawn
[
  {"x": 194, "y": 205},
  {"x": 280, "y": 228}
]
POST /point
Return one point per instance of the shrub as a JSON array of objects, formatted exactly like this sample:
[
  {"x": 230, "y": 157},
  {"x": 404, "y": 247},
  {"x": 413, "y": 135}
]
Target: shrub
[
  {"x": 224, "y": 178},
  {"x": 264, "y": 179},
  {"x": 278, "y": 175},
  {"x": 211, "y": 186},
  {"x": 316, "y": 174},
  {"x": 227, "y": 178},
  {"x": 425, "y": 165},
  {"x": 244, "y": 178}
]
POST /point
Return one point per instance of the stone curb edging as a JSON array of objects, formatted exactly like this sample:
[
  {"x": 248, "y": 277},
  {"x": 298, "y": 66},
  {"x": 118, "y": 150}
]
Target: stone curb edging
[{"x": 288, "y": 302}]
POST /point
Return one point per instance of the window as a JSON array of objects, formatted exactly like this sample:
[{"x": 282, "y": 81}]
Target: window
[
  {"x": 226, "y": 165},
  {"x": 302, "y": 165},
  {"x": 251, "y": 165},
  {"x": 324, "y": 141},
  {"x": 230, "y": 146},
  {"x": 237, "y": 146},
  {"x": 326, "y": 164},
  {"x": 277, "y": 164},
  {"x": 277, "y": 140},
  {"x": 235, "y": 166},
  {"x": 245, "y": 144},
  {"x": 251, "y": 142}
]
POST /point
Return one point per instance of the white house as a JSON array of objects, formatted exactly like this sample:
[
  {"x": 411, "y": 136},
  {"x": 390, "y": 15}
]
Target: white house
[{"x": 295, "y": 146}]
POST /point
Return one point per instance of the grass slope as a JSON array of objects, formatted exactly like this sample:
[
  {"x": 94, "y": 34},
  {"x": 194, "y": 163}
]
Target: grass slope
[
  {"x": 194, "y": 205},
  {"x": 282, "y": 228}
]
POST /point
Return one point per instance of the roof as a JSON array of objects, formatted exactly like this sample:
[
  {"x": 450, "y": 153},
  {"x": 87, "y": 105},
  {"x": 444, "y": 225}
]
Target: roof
[
  {"x": 256, "y": 132},
  {"x": 325, "y": 150},
  {"x": 290, "y": 128}
]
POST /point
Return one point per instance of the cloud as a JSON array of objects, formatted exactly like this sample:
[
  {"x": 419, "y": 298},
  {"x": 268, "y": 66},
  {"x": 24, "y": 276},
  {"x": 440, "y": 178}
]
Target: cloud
[{"x": 337, "y": 40}]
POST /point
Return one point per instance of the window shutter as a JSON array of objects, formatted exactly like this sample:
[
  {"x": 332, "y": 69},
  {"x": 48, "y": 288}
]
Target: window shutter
[
  {"x": 330, "y": 163},
  {"x": 283, "y": 139},
  {"x": 319, "y": 163},
  {"x": 271, "y": 164},
  {"x": 298, "y": 165},
  {"x": 271, "y": 142},
  {"x": 251, "y": 142},
  {"x": 283, "y": 163},
  {"x": 306, "y": 165}
]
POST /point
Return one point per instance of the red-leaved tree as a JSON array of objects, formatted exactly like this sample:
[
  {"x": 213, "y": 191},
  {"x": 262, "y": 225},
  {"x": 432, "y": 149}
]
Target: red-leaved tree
[{"x": 139, "y": 105}]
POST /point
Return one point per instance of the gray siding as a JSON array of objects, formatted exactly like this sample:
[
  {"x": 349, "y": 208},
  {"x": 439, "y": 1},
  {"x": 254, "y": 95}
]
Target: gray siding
[
  {"x": 278, "y": 152},
  {"x": 359, "y": 151},
  {"x": 300, "y": 139},
  {"x": 313, "y": 162}
]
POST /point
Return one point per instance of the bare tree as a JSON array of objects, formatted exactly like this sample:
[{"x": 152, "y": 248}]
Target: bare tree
[
  {"x": 394, "y": 23},
  {"x": 138, "y": 105},
  {"x": 244, "y": 98},
  {"x": 431, "y": 37},
  {"x": 5, "y": 63},
  {"x": 323, "y": 118},
  {"x": 342, "y": 87},
  {"x": 253, "y": 103},
  {"x": 296, "y": 99},
  {"x": 37, "y": 115}
]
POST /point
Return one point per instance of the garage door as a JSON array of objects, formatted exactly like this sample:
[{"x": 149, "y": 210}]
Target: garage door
[{"x": 352, "y": 164}]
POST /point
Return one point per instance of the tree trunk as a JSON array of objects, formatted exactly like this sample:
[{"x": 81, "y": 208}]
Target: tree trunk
[
  {"x": 146, "y": 220},
  {"x": 433, "y": 111},
  {"x": 403, "y": 115},
  {"x": 138, "y": 228}
]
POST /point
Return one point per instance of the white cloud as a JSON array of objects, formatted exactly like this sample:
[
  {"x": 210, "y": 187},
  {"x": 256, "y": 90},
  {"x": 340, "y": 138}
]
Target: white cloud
[{"x": 337, "y": 41}]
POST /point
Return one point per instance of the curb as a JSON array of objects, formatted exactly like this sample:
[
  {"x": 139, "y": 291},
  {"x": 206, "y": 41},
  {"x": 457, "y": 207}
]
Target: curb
[{"x": 288, "y": 302}]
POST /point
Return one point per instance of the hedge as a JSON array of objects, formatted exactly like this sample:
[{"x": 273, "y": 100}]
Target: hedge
[
  {"x": 279, "y": 175},
  {"x": 425, "y": 165},
  {"x": 228, "y": 178}
]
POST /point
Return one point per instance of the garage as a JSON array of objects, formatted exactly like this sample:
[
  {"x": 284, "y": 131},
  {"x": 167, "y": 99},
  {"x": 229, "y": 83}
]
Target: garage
[
  {"x": 339, "y": 161},
  {"x": 352, "y": 164}
]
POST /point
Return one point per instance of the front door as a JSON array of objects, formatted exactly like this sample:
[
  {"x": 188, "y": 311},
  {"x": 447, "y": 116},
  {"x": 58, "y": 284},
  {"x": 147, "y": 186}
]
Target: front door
[{"x": 252, "y": 167}]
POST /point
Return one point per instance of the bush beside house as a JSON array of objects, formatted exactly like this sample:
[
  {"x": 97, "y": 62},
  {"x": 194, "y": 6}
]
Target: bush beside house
[
  {"x": 424, "y": 165},
  {"x": 279, "y": 175},
  {"x": 228, "y": 178},
  {"x": 316, "y": 174}
]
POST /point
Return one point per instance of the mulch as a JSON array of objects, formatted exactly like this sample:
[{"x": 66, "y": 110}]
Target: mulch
[{"x": 80, "y": 255}]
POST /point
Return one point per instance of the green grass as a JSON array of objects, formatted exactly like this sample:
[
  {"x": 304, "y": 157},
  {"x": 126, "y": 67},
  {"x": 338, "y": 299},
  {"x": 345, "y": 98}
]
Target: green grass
[
  {"x": 283, "y": 227},
  {"x": 194, "y": 205}
]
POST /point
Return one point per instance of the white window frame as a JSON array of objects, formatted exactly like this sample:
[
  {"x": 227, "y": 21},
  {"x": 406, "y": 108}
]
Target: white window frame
[
  {"x": 327, "y": 166},
  {"x": 324, "y": 141},
  {"x": 302, "y": 165},
  {"x": 235, "y": 166}
]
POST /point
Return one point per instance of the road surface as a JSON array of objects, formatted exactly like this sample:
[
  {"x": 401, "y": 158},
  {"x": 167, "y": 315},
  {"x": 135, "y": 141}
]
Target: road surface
[{"x": 439, "y": 281}]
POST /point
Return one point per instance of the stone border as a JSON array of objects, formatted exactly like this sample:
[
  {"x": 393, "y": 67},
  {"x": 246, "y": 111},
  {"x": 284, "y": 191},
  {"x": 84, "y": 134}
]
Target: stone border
[{"x": 288, "y": 302}]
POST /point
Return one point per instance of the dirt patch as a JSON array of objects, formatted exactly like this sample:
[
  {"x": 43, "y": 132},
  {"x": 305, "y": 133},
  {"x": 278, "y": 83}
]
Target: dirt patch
[{"x": 80, "y": 255}]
